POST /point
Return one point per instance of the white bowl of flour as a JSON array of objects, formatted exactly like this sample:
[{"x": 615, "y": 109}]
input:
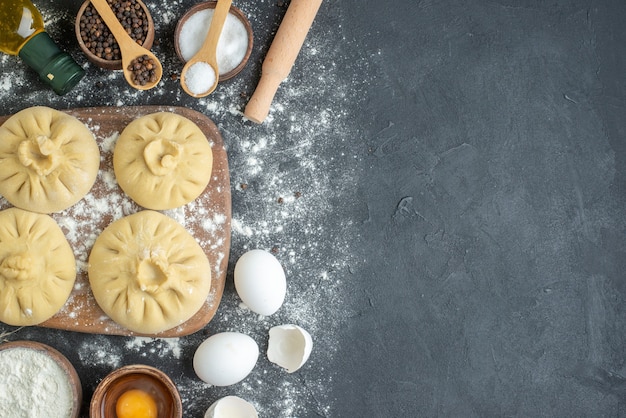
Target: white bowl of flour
[{"x": 37, "y": 381}]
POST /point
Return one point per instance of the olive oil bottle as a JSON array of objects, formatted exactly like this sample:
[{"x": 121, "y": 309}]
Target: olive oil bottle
[{"x": 22, "y": 33}]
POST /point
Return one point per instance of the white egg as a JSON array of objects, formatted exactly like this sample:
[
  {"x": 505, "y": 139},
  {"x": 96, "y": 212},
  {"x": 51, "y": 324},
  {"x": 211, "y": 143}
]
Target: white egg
[
  {"x": 226, "y": 358},
  {"x": 289, "y": 346},
  {"x": 260, "y": 282},
  {"x": 231, "y": 407}
]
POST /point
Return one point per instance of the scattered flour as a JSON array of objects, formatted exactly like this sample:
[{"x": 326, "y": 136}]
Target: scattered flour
[
  {"x": 100, "y": 352},
  {"x": 160, "y": 346},
  {"x": 107, "y": 143}
]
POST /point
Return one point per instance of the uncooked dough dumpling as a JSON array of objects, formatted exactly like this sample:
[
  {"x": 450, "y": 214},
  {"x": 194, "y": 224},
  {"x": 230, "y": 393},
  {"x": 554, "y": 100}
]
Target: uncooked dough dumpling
[
  {"x": 148, "y": 273},
  {"x": 37, "y": 267},
  {"x": 162, "y": 161},
  {"x": 49, "y": 160}
]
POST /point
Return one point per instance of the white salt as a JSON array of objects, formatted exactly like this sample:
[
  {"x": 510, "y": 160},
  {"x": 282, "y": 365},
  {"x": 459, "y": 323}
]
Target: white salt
[
  {"x": 231, "y": 47},
  {"x": 200, "y": 77}
]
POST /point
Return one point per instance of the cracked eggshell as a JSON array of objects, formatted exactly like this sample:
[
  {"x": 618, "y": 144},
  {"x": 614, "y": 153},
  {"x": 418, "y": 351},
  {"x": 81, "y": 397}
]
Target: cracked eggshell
[
  {"x": 260, "y": 281},
  {"x": 226, "y": 358},
  {"x": 231, "y": 407},
  {"x": 289, "y": 346}
]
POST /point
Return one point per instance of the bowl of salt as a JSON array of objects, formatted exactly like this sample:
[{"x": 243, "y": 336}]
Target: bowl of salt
[{"x": 235, "y": 43}]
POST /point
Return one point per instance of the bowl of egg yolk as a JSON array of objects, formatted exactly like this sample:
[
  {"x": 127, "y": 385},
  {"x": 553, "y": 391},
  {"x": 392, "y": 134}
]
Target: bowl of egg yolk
[{"x": 136, "y": 391}]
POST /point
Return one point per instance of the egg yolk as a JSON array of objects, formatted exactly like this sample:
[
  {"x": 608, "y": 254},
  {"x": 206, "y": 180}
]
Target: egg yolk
[{"x": 136, "y": 403}]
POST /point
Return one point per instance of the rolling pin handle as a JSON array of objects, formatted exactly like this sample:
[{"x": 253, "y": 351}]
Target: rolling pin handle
[
  {"x": 281, "y": 56},
  {"x": 258, "y": 106}
]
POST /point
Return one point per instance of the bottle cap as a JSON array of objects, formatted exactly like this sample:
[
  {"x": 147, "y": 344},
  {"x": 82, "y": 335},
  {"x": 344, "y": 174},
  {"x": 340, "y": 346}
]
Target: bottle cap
[{"x": 54, "y": 66}]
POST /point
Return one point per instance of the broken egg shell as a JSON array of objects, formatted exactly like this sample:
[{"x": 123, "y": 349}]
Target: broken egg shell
[
  {"x": 231, "y": 407},
  {"x": 289, "y": 346}
]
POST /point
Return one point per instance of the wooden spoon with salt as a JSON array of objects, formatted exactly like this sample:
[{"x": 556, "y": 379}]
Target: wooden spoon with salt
[
  {"x": 131, "y": 50},
  {"x": 200, "y": 74}
]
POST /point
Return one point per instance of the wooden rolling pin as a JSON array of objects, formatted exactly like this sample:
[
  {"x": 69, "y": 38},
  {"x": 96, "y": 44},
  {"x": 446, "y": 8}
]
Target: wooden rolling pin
[{"x": 281, "y": 56}]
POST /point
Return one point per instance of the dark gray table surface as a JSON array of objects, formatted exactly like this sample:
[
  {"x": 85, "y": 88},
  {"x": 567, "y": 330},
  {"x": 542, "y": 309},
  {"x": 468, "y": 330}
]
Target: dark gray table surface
[{"x": 445, "y": 185}]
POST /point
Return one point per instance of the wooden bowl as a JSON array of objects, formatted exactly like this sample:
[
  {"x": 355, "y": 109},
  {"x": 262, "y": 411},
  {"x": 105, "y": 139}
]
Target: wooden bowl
[
  {"x": 62, "y": 361},
  {"x": 104, "y": 63},
  {"x": 235, "y": 12},
  {"x": 137, "y": 376}
]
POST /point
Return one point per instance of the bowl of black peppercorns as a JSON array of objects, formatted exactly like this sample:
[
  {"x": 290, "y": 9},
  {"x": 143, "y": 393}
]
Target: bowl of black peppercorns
[{"x": 95, "y": 38}]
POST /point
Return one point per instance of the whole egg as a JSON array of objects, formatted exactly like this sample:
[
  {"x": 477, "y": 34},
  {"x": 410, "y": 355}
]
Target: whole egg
[
  {"x": 226, "y": 358},
  {"x": 260, "y": 281}
]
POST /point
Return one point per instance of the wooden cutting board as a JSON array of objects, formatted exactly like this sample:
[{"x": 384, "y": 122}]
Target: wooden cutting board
[{"x": 207, "y": 219}]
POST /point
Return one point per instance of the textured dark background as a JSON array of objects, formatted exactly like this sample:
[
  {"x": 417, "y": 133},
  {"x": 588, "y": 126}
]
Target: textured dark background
[{"x": 472, "y": 243}]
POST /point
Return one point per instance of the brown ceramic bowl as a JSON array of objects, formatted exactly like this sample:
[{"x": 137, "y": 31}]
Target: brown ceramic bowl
[
  {"x": 235, "y": 12},
  {"x": 104, "y": 63},
  {"x": 137, "y": 376},
  {"x": 62, "y": 361}
]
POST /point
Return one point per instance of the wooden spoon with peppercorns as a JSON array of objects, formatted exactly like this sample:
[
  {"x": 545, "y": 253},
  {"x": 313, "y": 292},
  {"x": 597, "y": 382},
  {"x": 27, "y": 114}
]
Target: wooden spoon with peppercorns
[{"x": 142, "y": 69}]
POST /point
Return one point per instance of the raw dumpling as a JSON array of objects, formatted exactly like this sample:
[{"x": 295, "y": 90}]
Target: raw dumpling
[
  {"x": 148, "y": 273},
  {"x": 37, "y": 267},
  {"x": 162, "y": 161},
  {"x": 49, "y": 160}
]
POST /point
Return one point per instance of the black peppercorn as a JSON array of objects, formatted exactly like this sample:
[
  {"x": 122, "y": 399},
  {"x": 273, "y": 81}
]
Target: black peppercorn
[
  {"x": 143, "y": 69},
  {"x": 96, "y": 35}
]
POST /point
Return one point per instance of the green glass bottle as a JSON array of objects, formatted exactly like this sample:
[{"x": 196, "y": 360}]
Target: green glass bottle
[{"x": 22, "y": 33}]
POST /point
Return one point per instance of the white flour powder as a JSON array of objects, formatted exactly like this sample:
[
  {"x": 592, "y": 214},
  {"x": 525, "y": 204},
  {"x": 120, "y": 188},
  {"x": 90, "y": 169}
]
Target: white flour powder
[{"x": 32, "y": 385}]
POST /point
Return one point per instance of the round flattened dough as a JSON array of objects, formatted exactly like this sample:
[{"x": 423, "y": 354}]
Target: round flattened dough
[
  {"x": 162, "y": 161},
  {"x": 37, "y": 267},
  {"x": 148, "y": 273},
  {"x": 49, "y": 160}
]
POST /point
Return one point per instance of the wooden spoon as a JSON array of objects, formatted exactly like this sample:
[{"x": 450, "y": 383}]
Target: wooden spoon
[
  {"x": 130, "y": 49},
  {"x": 207, "y": 54}
]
